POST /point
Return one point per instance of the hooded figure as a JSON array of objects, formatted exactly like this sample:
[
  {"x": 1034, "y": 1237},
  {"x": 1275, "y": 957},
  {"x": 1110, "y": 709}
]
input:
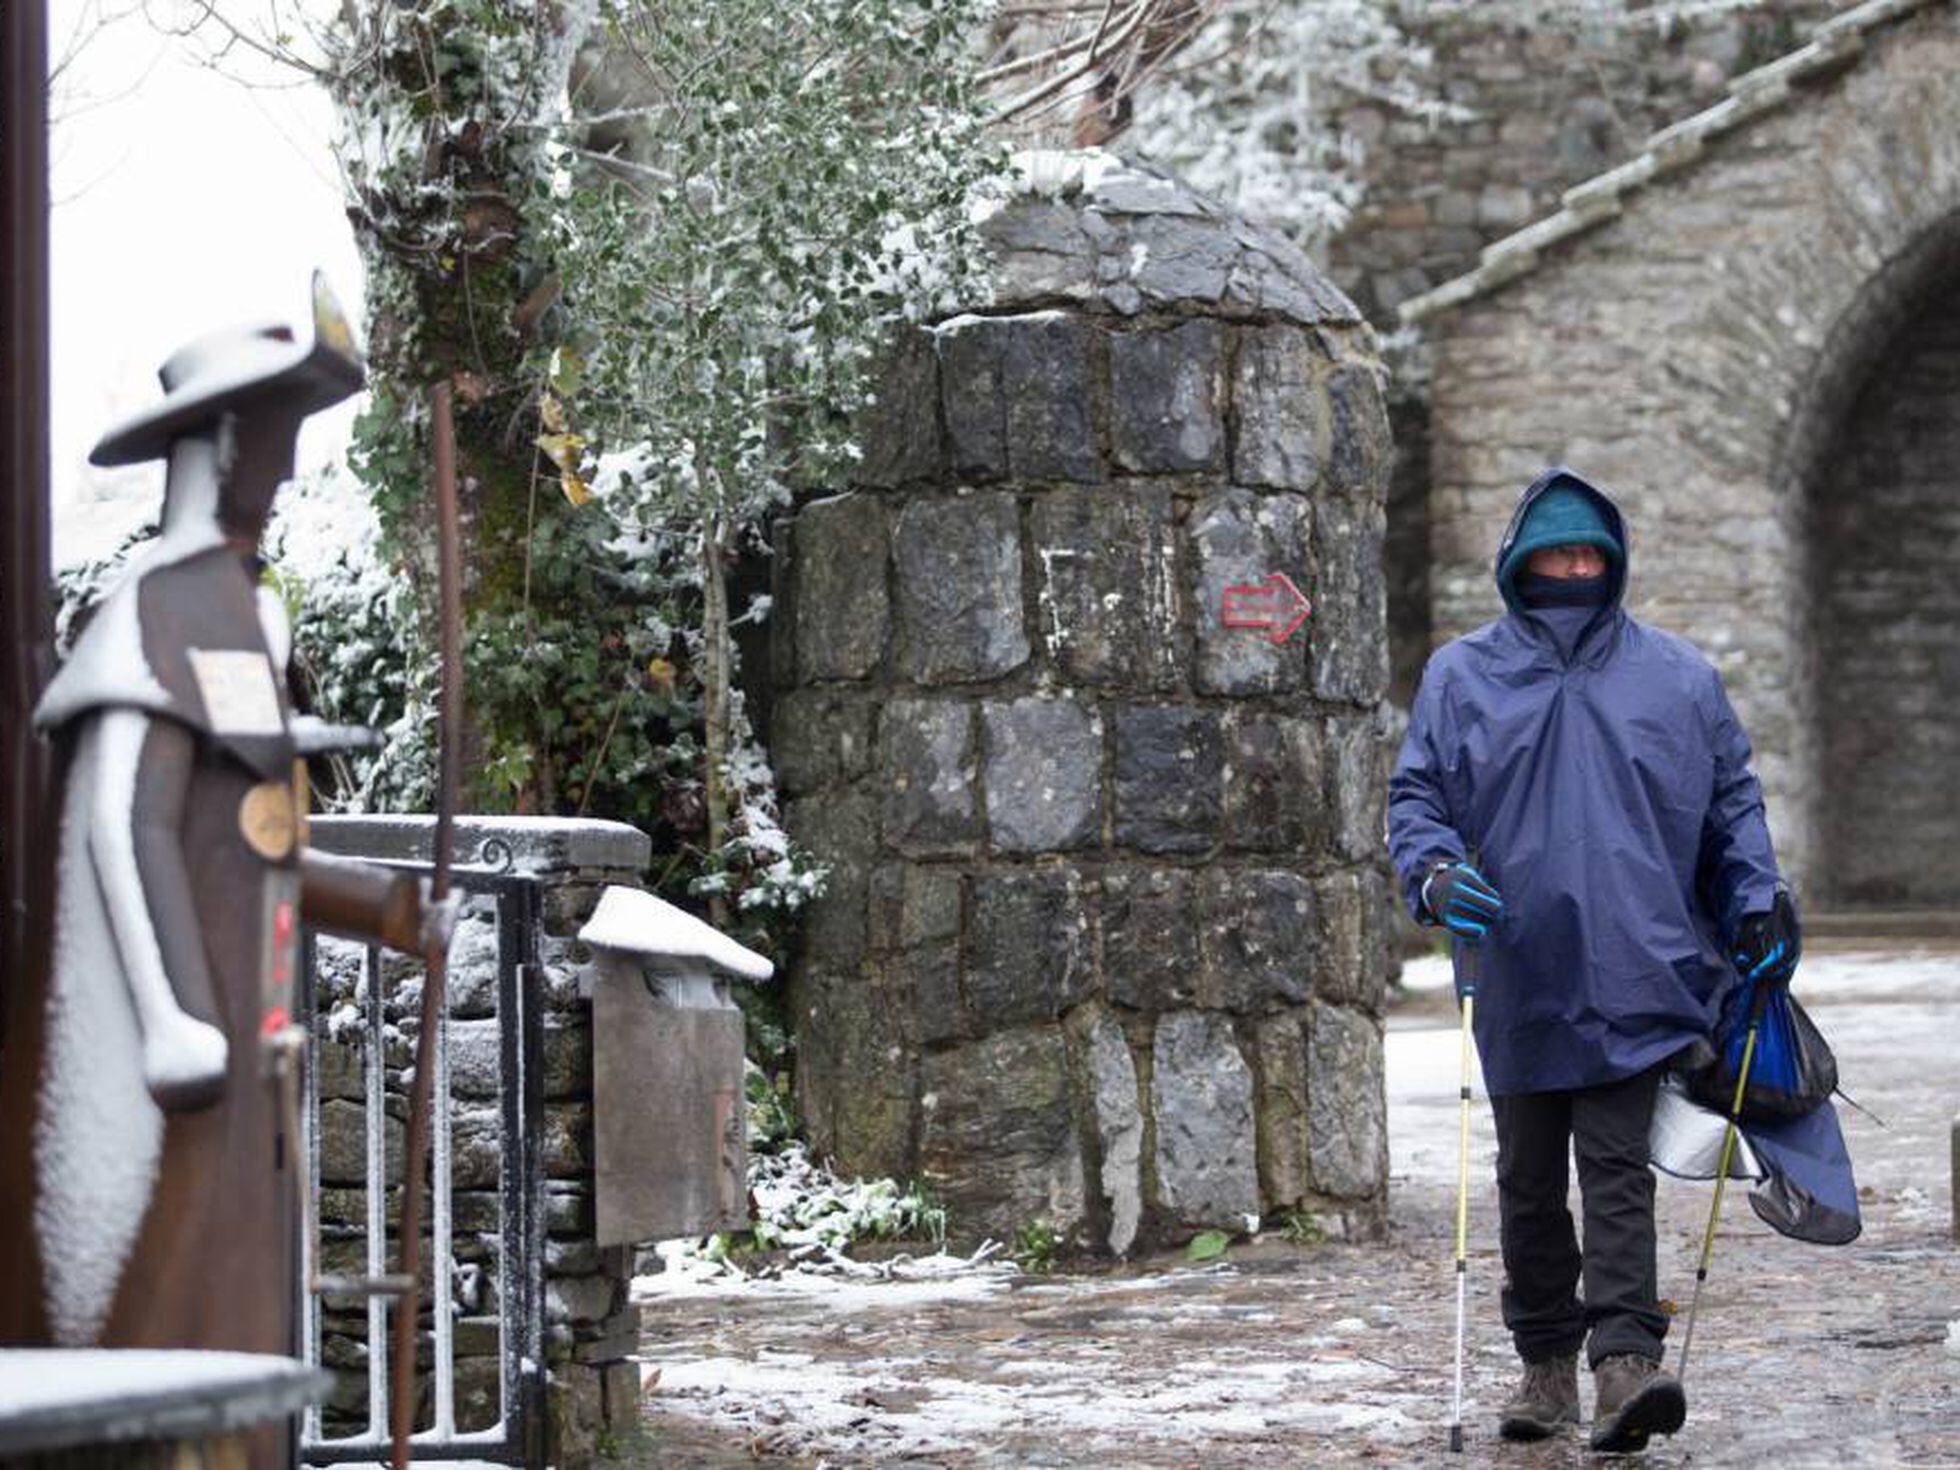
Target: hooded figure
[
  {"x": 1574, "y": 794},
  {"x": 149, "y": 1164}
]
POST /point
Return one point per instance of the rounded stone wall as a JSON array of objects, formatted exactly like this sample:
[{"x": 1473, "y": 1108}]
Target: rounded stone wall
[{"x": 1102, "y": 944}]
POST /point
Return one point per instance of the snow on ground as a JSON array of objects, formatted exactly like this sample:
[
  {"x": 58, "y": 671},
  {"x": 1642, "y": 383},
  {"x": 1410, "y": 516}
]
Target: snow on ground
[
  {"x": 1917, "y": 972},
  {"x": 1339, "y": 1356}
]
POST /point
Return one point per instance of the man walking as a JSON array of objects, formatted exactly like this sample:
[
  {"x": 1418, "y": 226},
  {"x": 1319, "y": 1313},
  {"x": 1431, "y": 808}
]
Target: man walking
[{"x": 1574, "y": 795}]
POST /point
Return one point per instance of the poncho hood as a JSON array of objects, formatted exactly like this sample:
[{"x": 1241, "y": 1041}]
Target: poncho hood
[{"x": 1561, "y": 526}]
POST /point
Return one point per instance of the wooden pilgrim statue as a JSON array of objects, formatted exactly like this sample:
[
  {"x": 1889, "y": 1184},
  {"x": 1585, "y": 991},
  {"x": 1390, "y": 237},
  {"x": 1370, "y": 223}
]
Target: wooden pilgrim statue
[{"x": 149, "y": 1165}]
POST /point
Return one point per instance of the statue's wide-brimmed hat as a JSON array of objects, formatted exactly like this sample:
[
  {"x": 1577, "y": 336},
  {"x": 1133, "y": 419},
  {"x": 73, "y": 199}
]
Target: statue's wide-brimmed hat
[{"x": 211, "y": 374}]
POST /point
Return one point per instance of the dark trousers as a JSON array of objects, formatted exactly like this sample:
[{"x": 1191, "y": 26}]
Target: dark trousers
[{"x": 1606, "y": 1127}]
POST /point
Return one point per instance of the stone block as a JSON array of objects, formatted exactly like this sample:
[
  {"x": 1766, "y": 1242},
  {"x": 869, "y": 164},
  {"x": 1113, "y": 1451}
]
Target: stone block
[
  {"x": 565, "y": 1144},
  {"x": 839, "y": 604},
  {"x": 1150, "y": 938},
  {"x": 970, "y": 351},
  {"x": 1168, "y": 779},
  {"x": 1349, "y": 970},
  {"x": 1108, "y": 593},
  {"x": 344, "y": 1143},
  {"x": 1118, "y": 1109},
  {"x": 475, "y": 1059},
  {"x": 1504, "y": 206},
  {"x": 1358, "y": 765},
  {"x": 898, "y": 430},
  {"x": 1277, "y": 280},
  {"x": 1041, "y": 251},
  {"x": 822, "y": 738},
  {"x": 337, "y": 1066},
  {"x": 959, "y": 589},
  {"x": 1050, "y": 382},
  {"x": 997, "y": 1136},
  {"x": 857, "y": 1072},
  {"x": 1279, "y": 409},
  {"x": 1285, "y": 1176},
  {"x": 1201, "y": 1100},
  {"x": 575, "y": 1413},
  {"x": 1029, "y": 948},
  {"x": 1358, "y": 441},
  {"x": 840, "y": 830},
  {"x": 1237, "y": 538},
  {"x": 915, "y": 925},
  {"x": 1257, "y": 933},
  {"x": 567, "y": 1057},
  {"x": 1020, "y": 397},
  {"x": 1346, "y": 1111},
  {"x": 1174, "y": 259},
  {"x": 1043, "y": 774},
  {"x": 913, "y": 905},
  {"x": 1348, "y": 632},
  {"x": 577, "y": 1299},
  {"x": 1166, "y": 409},
  {"x": 928, "y": 763},
  {"x": 1275, "y": 785}
]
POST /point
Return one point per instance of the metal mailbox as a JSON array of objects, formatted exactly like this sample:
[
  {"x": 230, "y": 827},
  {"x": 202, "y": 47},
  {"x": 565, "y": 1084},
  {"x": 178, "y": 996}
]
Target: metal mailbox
[{"x": 669, "y": 1125}]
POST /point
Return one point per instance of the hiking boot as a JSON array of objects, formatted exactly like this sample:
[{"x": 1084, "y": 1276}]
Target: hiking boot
[
  {"x": 1633, "y": 1398},
  {"x": 1546, "y": 1400}
]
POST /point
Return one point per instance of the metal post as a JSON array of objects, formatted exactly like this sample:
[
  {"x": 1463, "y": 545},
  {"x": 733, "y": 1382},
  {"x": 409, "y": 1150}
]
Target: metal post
[
  {"x": 1955, "y": 1177},
  {"x": 24, "y": 578}
]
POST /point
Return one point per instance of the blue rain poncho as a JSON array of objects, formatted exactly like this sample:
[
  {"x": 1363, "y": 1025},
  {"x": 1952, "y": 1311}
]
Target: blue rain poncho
[{"x": 1602, "y": 783}]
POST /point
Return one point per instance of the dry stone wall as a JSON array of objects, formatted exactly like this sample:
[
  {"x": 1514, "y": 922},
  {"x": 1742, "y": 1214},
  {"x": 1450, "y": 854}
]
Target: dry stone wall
[
  {"x": 1553, "y": 104},
  {"x": 1101, "y": 946}
]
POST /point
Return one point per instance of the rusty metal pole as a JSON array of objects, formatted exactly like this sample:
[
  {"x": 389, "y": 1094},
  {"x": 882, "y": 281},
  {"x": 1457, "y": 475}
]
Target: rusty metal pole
[
  {"x": 25, "y": 604},
  {"x": 422, "y": 1094}
]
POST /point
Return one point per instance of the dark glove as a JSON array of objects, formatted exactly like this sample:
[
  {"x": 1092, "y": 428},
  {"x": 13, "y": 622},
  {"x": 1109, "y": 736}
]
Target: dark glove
[
  {"x": 1462, "y": 899},
  {"x": 1768, "y": 945}
]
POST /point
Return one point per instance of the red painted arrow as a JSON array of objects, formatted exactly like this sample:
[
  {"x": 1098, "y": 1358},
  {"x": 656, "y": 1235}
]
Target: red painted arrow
[{"x": 1274, "y": 606}]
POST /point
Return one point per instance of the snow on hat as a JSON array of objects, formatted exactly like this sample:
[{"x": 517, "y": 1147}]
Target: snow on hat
[{"x": 208, "y": 376}]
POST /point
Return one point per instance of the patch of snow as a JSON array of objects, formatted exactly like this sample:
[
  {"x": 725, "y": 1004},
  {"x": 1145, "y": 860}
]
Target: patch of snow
[
  {"x": 638, "y": 922},
  {"x": 36, "y": 1380},
  {"x": 99, "y": 1134}
]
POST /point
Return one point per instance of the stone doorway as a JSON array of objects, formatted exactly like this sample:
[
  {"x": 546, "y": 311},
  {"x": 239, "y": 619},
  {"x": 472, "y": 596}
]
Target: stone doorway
[{"x": 1885, "y": 563}]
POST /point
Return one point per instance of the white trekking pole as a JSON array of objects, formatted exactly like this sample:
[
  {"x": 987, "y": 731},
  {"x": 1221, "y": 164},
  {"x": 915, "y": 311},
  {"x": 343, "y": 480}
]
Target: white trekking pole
[{"x": 1468, "y": 954}]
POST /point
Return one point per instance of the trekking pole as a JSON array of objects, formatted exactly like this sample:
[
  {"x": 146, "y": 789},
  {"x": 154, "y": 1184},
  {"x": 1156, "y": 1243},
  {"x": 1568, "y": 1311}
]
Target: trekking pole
[
  {"x": 1722, "y": 1177},
  {"x": 1468, "y": 955}
]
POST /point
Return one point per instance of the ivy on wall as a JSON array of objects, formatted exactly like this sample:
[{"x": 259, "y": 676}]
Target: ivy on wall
[{"x": 656, "y": 248}]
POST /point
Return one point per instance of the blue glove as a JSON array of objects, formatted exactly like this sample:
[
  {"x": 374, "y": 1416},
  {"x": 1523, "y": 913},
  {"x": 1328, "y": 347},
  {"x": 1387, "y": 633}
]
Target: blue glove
[
  {"x": 1768, "y": 944},
  {"x": 1462, "y": 899}
]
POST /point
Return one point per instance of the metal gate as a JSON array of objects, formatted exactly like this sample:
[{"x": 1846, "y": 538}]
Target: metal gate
[{"x": 517, "y": 1241}]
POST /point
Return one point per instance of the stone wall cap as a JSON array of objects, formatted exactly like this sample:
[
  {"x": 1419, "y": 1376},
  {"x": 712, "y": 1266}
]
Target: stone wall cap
[
  {"x": 1754, "y": 94},
  {"x": 1094, "y": 229},
  {"x": 633, "y": 921},
  {"x": 59, "y": 1398},
  {"x": 515, "y": 844}
]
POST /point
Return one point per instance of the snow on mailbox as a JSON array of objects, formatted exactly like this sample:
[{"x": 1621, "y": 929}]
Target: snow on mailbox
[{"x": 669, "y": 1123}]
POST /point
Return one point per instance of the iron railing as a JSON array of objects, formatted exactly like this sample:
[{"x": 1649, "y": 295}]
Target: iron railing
[{"x": 517, "y": 1437}]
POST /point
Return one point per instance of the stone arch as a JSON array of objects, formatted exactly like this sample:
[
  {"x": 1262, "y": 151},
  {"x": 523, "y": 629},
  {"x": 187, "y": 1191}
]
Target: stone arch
[
  {"x": 1686, "y": 330},
  {"x": 1872, "y": 456}
]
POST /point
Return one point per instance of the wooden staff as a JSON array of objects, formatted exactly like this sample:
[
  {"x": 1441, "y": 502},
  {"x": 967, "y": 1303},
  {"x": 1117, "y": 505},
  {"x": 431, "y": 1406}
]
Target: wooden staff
[{"x": 421, "y": 1096}]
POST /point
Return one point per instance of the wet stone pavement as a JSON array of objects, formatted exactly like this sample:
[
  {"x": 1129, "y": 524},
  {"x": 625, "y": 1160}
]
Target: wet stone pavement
[{"x": 1339, "y": 1355}]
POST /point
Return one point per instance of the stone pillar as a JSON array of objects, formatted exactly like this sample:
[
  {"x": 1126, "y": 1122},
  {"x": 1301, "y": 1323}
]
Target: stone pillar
[
  {"x": 592, "y": 1391},
  {"x": 1101, "y": 945}
]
